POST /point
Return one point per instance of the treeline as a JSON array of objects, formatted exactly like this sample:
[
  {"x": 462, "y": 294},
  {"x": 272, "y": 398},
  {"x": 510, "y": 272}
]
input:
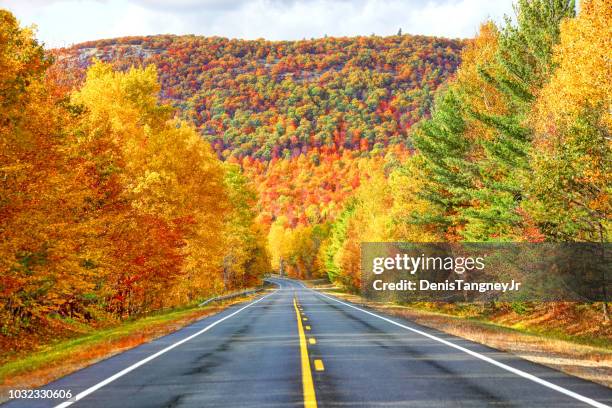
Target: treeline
[
  {"x": 380, "y": 209},
  {"x": 312, "y": 188},
  {"x": 518, "y": 147},
  {"x": 109, "y": 206}
]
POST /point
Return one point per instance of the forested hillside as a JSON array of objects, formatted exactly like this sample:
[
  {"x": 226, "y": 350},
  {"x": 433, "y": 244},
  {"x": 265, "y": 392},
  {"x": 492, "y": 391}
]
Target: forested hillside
[
  {"x": 267, "y": 100},
  {"x": 290, "y": 107}
]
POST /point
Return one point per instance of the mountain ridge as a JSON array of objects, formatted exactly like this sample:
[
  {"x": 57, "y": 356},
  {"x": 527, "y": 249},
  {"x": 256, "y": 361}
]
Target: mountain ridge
[
  {"x": 340, "y": 101},
  {"x": 218, "y": 83}
]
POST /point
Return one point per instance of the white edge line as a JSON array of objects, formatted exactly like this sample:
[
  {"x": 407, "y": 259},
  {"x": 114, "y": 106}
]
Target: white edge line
[
  {"x": 134, "y": 366},
  {"x": 489, "y": 360}
]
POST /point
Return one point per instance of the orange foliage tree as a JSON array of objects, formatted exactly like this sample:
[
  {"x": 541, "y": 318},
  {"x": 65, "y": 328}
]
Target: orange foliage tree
[{"x": 109, "y": 206}]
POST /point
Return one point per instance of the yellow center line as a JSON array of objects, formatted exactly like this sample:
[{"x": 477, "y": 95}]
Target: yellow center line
[
  {"x": 310, "y": 399},
  {"x": 312, "y": 340},
  {"x": 319, "y": 365}
]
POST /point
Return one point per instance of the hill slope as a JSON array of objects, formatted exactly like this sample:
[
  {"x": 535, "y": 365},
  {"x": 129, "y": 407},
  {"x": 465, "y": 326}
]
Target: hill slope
[{"x": 264, "y": 103}]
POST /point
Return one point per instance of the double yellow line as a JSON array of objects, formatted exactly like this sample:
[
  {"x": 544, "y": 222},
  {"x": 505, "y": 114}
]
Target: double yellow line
[{"x": 310, "y": 399}]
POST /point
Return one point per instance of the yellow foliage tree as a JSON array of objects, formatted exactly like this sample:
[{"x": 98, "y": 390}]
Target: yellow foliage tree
[
  {"x": 405, "y": 185},
  {"x": 45, "y": 193},
  {"x": 477, "y": 93},
  {"x": 167, "y": 173},
  {"x": 582, "y": 80},
  {"x": 572, "y": 159},
  {"x": 245, "y": 257}
]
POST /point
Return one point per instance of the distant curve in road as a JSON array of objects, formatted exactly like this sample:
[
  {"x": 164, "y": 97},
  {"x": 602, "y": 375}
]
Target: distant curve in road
[{"x": 296, "y": 347}]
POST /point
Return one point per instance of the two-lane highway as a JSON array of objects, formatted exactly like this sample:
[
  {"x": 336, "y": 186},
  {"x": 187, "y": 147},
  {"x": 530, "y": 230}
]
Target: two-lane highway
[{"x": 297, "y": 347}]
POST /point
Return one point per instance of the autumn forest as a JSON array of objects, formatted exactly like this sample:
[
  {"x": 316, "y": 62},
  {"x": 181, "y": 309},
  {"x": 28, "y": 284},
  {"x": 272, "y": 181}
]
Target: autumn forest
[{"x": 145, "y": 173}]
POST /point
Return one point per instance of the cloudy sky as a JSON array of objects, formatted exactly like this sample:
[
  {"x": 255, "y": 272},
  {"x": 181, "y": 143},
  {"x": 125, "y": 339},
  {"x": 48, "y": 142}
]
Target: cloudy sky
[{"x": 64, "y": 22}]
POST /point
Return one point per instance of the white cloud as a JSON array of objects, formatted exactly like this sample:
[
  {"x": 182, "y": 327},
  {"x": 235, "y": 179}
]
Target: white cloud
[{"x": 63, "y": 22}]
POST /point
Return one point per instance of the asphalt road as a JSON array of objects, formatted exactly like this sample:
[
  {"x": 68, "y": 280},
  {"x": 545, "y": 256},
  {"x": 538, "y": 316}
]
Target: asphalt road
[{"x": 259, "y": 354}]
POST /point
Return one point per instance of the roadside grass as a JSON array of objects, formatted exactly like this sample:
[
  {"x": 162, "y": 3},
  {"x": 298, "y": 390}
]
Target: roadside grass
[
  {"x": 55, "y": 360},
  {"x": 569, "y": 346}
]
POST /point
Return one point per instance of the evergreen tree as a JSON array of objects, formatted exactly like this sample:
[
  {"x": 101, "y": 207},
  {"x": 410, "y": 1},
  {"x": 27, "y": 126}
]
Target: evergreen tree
[
  {"x": 442, "y": 143},
  {"x": 523, "y": 65}
]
